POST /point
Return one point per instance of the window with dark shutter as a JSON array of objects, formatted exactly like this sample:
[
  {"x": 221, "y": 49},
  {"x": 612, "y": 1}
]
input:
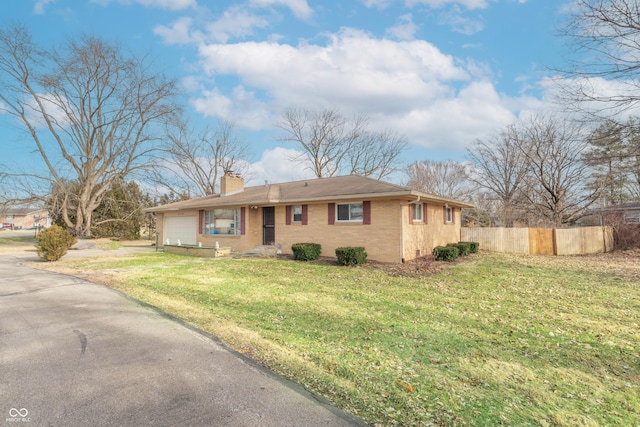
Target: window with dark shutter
[
  {"x": 288, "y": 214},
  {"x": 243, "y": 220},
  {"x": 332, "y": 213}
]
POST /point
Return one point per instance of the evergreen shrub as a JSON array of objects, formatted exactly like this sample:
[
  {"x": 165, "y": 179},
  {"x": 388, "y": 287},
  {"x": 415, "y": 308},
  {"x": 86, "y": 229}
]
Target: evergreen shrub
[
  {"x": 446, "y": 253},
  {"x": 54, "y": 242},
  {"x": 351, "y": 255},
  {"x": 306, "y": 251},
  {"x": 475, "y": 246},
  {"x": 463, "y": 247}
]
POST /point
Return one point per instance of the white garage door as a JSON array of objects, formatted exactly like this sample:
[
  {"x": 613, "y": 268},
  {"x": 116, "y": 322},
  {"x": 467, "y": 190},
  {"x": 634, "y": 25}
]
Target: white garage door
[{"x": 183, "y": 228}]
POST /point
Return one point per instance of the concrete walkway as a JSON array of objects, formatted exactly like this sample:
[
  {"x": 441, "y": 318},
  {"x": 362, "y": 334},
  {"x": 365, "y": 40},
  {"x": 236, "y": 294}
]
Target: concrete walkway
[{"x": 74, "y": 353}]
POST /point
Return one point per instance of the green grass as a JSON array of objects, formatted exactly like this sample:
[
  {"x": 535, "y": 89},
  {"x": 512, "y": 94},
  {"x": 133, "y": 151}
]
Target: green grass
[
  {"x": 491, "y": 340},
  {"x": 16, "y": 240}
]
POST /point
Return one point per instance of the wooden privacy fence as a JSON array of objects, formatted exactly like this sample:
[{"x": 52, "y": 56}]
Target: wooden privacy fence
[{"x": 541, "y": 241}]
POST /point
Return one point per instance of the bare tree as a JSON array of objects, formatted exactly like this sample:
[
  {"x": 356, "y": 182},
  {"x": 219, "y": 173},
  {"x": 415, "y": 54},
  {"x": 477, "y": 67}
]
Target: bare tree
[
  {"x": 604, "y": 35},
  {"x": 556, "y": 184},
  {"x": 441, "y": 178},
  {"x": 197, "y": 160},
  {"x": 90, "y": 111},
  {"x": 376, "y": 154},
  {"x": 333, "y": 144},
  {"x": 499, "y": 166}
]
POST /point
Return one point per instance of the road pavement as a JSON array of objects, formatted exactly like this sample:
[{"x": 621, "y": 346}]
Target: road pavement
[{"x": 75, "y": 353}]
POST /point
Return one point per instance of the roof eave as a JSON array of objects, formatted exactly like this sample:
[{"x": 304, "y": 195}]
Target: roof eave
[{"x": 411, "y": 195}]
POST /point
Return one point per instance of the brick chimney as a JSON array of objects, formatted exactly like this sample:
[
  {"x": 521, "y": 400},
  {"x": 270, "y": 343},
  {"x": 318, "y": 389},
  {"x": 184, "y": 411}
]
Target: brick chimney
[{"x": 231, "y": 184}]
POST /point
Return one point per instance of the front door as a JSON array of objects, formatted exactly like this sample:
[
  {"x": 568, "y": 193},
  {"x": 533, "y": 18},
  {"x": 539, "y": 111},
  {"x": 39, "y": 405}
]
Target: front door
[{"x": 269, "y": 225}]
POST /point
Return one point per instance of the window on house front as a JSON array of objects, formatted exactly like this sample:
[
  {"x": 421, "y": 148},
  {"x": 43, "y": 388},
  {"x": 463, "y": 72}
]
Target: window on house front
[
  {"x": 222, "y": 221},
  {"x": 349, "y": 212},
  {"x": 448, "y": 214},
  {"x": 418, "y": 214},
  {"x": 296, "y": 213}
]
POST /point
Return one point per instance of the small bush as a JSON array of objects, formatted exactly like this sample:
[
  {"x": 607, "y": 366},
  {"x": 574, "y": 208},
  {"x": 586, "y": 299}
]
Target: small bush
[
  {"x": 475, "y": 246},
  {"x": 445, "y": 253},
  {"x": 351, "y": 255},
  {"x": 463, "y": 247},
  {"x": 306, "y": 251},
  {"x": 54, "y": 242}
]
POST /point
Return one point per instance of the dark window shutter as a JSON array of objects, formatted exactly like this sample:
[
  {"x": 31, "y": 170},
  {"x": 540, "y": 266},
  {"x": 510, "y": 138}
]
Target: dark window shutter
[
  {"x": 410, "y": 213},
  {"x": 288, "y": 215},
  {"x": 453, "y": 215},
  {"x": 200, "y": 221},
  {"x": 304, "y": 215},
  {"x": 243, "y": 220},
  {"x": 366, "y": 213},
  {"x": 332, "y": 213}
]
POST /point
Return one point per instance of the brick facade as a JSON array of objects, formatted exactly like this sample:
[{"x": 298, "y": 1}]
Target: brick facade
[{"x": 390, "y": 237}]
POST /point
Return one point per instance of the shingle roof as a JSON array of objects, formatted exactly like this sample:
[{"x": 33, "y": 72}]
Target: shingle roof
[
  {"x": 621, "y": 207},
  {"x": 311, "y": 190},
  {"x": 20, "y": 211}
]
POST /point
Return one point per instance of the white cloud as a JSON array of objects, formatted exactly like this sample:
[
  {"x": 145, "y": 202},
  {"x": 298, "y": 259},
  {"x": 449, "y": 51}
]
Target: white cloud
[
  {"x": 179, "y": 32},
  {"x": 352, "y": 70},
  {"x": 435, "y": 4},
  {"x": 169, "y": 4},
  {"x": 161, "y": 4},
  {"x": 39, "y": 6},
  {"x": 300, "y": 8},
  {"x": 212, "y": 103},
  {"x": 460, "y": 23},
  {"x": 602, "y": 92},
  {"x": 378, "y": 4},
  {"x": 278, "y": 165},
  {"x": 241, "y": 107},
  {"x": 451, "y": 123},
  {"x": 469, "y": 4},
  {"x": 409, "y": 86},
  {"x": 236, "y": 22},
  {"x": 405, "y": 29}
]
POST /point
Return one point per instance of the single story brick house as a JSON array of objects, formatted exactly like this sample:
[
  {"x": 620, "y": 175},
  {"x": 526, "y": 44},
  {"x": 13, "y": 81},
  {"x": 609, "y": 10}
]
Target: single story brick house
[{"x": 392, "y": 222}]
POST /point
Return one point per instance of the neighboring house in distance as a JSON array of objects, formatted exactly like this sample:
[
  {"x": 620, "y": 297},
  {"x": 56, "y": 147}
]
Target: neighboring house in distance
[
  {"x": 392, "y": 222},
  {"x": 625, "y": 221},
  {"x": 24, "y": 217}
]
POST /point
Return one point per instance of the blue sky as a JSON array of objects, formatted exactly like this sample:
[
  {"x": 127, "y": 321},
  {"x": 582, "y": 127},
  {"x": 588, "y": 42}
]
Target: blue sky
[{"x": 441, "y": 72}]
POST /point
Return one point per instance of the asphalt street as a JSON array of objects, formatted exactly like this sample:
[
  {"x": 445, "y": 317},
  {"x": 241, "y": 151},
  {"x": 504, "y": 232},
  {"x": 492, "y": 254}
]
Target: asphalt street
[{"x": 75, "y": 353}]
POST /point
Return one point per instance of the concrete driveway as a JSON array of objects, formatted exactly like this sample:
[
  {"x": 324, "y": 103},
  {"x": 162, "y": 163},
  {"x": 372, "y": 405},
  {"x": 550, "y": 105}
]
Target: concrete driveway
[{"x": 74, "y": 353}]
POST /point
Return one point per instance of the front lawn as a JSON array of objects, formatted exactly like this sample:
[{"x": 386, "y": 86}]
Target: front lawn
[{"x": 490, "y": 340}]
